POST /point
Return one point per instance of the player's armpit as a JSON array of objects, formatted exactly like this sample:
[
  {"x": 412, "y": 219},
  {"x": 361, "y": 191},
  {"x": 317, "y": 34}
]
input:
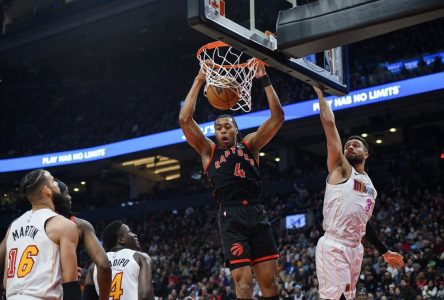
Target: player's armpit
[{"x": 145, "y": 278}]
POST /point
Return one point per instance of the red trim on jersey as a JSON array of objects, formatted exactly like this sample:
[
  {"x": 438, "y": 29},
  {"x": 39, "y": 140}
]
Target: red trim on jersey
[
  {"x": 264, "y": 258},
  {"x": 238, "y": 261},
  {"x": 211, "y": 157},
  {"x": 247, "y": 144},
  {"x": 249, "y": 148},
  {"x": 72, "y": 218}
]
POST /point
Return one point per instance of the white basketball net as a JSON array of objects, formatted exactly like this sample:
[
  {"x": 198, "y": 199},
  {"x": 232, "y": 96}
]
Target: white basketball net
[{"x": 221, "y": 62}]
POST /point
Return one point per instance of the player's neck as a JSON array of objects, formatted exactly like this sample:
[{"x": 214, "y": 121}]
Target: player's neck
[
  {"x": 116, "y": 248},
  {"x": 41, "y": 205},
  {"x": 359, "y": 168}
]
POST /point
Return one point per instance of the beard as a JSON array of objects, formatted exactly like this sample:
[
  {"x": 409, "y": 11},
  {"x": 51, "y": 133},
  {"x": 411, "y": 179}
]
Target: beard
[
  {"x": 61, "y": 204},
  {"x": 355, "y": 159}
]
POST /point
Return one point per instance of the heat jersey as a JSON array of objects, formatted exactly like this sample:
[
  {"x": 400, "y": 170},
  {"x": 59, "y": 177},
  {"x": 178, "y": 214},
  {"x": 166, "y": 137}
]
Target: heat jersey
[
  {"x": 348, "y": 206},
  {"x": 125, "y": 275},
  {"x": 34, "y": 270},
  {"x": 234, "y": 174}
]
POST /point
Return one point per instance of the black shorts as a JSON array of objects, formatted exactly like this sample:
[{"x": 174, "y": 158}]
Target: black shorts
[{"x": 246, "y": 235}]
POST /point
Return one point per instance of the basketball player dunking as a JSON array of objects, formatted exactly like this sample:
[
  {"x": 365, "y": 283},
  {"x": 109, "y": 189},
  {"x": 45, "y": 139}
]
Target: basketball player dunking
[
  {"x": 88, "y": 238},
  {"x": 348, "y": 205},
  {"x": 233, "y": 169},
  {"x": 41, "y": 246},
  {"x": 131, "y": 269}
]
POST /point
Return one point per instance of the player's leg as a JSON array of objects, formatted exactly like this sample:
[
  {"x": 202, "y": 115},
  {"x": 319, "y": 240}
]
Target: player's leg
[
  {"x": 234, "y": 234},
  {"x": 355, "y": 256},
  {"x": 264, "y": 253},
  {"x": 243, "y": 281},
  {"x": 266, "y": 275},
  {"x": 332, "y": 269}
]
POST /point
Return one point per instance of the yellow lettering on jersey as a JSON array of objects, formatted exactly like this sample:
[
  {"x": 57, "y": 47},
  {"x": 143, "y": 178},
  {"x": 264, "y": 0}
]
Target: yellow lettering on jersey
[
  {"x": 26, "y": 261},
  {"x": 116, "y": 287}
]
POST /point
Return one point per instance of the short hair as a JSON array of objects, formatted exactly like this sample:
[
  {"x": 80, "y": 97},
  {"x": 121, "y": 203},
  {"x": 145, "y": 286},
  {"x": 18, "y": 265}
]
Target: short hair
[
  {"x": 357, "y": 137},
  {"x": 32, "y": 182},
  {"x": 239, "y": 135},
  {"x": 110, "y": 234},
  {"x": 227, "y": 116},
  {"x": 62, "y": 186}
]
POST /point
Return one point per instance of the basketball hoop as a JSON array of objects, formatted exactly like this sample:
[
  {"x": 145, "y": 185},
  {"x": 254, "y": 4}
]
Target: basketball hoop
[{"x": 220, "y": 61}]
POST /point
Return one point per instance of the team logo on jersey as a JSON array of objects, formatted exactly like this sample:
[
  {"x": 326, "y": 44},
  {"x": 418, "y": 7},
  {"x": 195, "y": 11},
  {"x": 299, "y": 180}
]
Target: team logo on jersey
[
  {"x": 362, "y": 187},
  {"x": 233, "y": 151},
  {"x": 237, "y": 249}
]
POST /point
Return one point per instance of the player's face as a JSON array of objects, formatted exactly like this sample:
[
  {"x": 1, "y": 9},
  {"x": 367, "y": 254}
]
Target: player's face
[
  {"x": 63, "y": 205},
  {"x": 51, "y": 188},
  {"x": 131, "y": 240},
  {"x": 225, "y": 131},
  {"x": 355, "y": 152}
]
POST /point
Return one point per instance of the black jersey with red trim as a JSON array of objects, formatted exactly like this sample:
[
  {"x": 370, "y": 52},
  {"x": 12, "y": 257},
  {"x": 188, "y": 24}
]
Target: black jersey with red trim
[{"x": 234, "y": 174}]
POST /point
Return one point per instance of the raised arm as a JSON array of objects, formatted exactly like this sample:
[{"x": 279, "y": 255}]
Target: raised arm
[
  {"x": 257, "y": 140},
  {"x": 98, "y": 256},
  {"x": 335, "y": 156},
  {"x": 145, "y": 291},
  {"x": 190, "y": 128}
]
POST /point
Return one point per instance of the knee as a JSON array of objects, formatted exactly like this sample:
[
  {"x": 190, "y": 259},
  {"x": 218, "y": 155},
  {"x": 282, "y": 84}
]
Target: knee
[
  {"x": 270, "y": 282},
  {"x": 244, "y": 286}
]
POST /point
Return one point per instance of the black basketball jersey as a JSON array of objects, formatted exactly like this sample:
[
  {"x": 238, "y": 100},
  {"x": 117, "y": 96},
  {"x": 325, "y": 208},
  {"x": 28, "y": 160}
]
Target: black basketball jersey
[{"x": 234, "y": 174}]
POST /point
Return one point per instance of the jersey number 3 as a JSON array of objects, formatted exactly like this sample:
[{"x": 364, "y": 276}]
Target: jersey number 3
[
  {"x": 26, "y": 261},
  {"x": 116, "y": 287},
  {"x": 238, "y": 171}
]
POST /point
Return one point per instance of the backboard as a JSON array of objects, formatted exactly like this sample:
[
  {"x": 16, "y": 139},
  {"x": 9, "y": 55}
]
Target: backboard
[{"x": 243, "y": 23}]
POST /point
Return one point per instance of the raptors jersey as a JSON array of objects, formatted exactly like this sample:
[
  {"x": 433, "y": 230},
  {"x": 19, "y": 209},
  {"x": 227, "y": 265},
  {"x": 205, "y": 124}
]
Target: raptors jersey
[
  {"x": 348, "y": 206},
  {"x": 125, "y": 275},
  {"x": 234, "y": 174},
  {"x": 33, "y": 270}
]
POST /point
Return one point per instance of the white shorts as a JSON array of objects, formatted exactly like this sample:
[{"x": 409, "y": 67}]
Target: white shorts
[{"x": 338, "y": 265}]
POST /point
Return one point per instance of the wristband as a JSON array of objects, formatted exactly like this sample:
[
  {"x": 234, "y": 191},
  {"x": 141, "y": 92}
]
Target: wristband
[
  {"x": 265, "y": 80},
  {"x": 71, "y": 290}
]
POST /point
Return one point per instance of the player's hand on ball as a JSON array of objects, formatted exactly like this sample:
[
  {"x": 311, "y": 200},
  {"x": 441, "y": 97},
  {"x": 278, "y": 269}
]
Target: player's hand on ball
[{"x": 394, "y": 259}]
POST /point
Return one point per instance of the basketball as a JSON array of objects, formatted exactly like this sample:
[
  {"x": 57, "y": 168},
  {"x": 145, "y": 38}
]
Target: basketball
[{"x": 223, "y": 98}]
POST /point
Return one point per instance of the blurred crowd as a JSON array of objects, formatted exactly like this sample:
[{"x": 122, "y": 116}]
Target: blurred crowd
[{"x": 49, "y": 115}]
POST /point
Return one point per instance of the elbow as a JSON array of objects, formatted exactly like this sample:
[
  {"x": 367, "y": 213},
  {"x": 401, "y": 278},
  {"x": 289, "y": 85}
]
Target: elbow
[
  {"x": 104, "y": 267},
  {"x": 330, "y": 122},
  {"x": 183, "y": 120},
  {"x": 280, "y": 116}
]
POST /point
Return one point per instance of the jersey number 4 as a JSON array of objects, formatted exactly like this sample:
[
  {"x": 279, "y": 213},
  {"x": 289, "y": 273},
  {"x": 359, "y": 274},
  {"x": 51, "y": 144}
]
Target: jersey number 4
[
  {"x": 238, "y": 171},
  {"x": 116, "y": 287},
  {"x": 26, "y": 261}
]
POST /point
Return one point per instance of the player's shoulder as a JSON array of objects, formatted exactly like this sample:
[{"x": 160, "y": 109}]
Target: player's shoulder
[
  {"x": 84, "y": 225},
  {"x": 61, "y": 223},
  {"x": 142, "y": 255}
]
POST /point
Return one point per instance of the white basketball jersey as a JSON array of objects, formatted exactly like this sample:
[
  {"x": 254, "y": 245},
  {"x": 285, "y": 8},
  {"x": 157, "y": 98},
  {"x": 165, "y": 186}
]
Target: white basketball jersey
[
  {"x": 33, "y": 269},
  {"x": 348, "y": 206},
  {"x": 125, "y": 275}
]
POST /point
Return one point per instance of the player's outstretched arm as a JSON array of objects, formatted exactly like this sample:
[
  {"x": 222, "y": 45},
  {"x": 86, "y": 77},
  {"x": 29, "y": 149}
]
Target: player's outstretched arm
[
  {"x": 64, "y": 233},
  {"x": 145, "y": 291},
  {"x": 89, "y": 292},
  {"x": 335, "y": 156},
  {"x": 394, "y": 259},
  {"x": 257, "y": 140},
  {"x": 98, "y": 256},
  {"x": 190, "y": 128}
]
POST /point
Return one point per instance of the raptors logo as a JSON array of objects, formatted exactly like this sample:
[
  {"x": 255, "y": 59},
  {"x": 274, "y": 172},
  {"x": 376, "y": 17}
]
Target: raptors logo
[{"x": 237, "y": 249}]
